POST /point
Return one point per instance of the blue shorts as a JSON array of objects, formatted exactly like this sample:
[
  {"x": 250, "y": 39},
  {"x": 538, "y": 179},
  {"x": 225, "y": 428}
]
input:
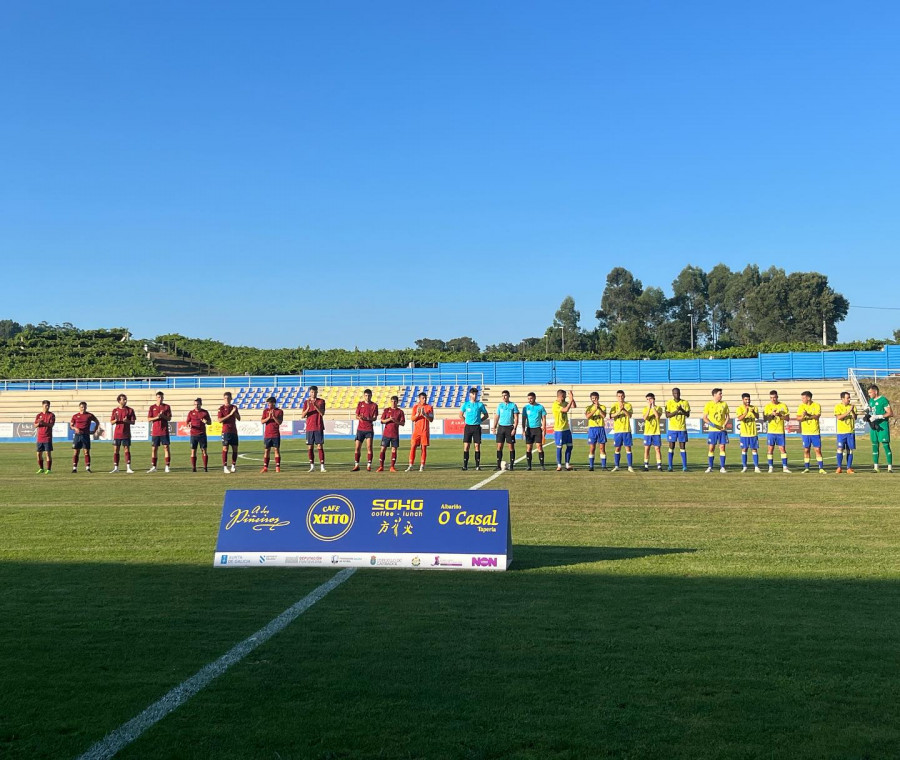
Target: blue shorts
[
  {"x": 362, "y": 435},
  {"x": 315, "y": 437},
  {"x": 749, "y": 442},
  {"x": 775, "y": 439},
  {"x": 272, "y": 443},
  {"x": 390, "y": 443},
  {"x": 677, "y": 436},
  {"x": 846, "y": 441},
  {"x": 717, "y": 438},
  {"x": 812, "y": 441},
  {"x": 198, "y": 440},
  {"x": 230, "y": 439},
  {"x": 160, "y": 440},
  {"x": 596, "y": 435},
  {"x": 45, "y": 446},
  {"x": 122, "y": 442},
  {"x": 652, "y": 440},
  {"x": 621, "y": 439},
  {"x": 563, "y": 437},
  {"x": 81, "y": 441}
]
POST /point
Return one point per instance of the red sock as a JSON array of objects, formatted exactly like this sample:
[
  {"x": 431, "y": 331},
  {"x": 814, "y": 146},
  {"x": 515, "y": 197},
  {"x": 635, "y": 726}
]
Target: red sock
[
  {"x": 128, "y": 458},
  {"x": 356, "y": 457},
  {"x": 224, "y": 457},
  {"x": 234, "y": 456},
  {"x": 40, "y": 461},
  {"x": 393, "y": 457},
  {"x": 309, "y": 450},
  {"x": 87, "y": 458},
  {"x": 381, "y": 457},
  {"x": 153, "y": 461},
  {"x": 266, "y": 459},
  {"x": 75, "y": 458},
  {"x": 321, "y": 456},
  {"x": 278, "y": 460},
  {"x": 167, "y": 461},
  {"x": 205, "y": 460},
  {"x": 116, "y": 458},
  {"x": 193, "y": 461}
]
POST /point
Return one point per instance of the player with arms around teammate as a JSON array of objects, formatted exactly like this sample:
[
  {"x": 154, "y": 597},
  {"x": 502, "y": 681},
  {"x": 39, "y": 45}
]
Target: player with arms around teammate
[
  {"x": 422, "y": 416},
  {"x": 229, "y": 415},
  {"x": 81, "y": 423},
  {"x": 474, "y": 413},
  {"x": 43, "y": 426},
  {"x": 160, "y": 413},
  {"x": 677, "y": 412},
  {"x": 846, "y": 415},
  {"x": 620, "y": 413},
  {"x": 562, "y": 432},
  {"x": 880, "y": 429},
  {"x": 366, "y": 414},
  {"x": 775, "y": 413},
  {"x": 808, "y": 414},
  {"x": 596, "y": 417},
  {"x": 534, "y": 429},
  {"x": 392, "y": 418},
  {"x": 197, "y": 419},
  {"x": 716, "y": 414},
  {"x": 506, "y": 421},
  {"x": 314, "y": 414},
  {"x": 652, "y": 436},
  {"x": 746, "y": 415},
  {"x": 272, "y": 417},
  {"x": 122, "y": 418}
]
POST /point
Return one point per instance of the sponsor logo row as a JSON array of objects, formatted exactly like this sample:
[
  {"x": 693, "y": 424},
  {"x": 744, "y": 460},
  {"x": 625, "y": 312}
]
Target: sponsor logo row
[{"x": 378, "y": 560}]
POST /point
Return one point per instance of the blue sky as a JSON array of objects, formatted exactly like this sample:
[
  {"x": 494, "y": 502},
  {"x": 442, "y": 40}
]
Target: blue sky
[{"x": 359, "y": 173}]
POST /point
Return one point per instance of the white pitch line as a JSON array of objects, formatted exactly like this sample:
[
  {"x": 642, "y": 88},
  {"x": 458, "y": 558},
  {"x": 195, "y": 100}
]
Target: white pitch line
[{"x": 128, "y": 732}]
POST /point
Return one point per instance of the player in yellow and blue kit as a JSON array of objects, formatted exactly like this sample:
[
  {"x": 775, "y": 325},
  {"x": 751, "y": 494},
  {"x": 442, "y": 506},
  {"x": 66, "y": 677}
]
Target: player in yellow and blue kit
[
  {"x": 717, "y": 416},
  {"x": 846, "y": 415},
  {"x": 775, "y": 413},
  {"x": 747, "y": 415},
  {"x": 677, "y": 412},
  {"x": 652, "y": 438},
  {"x": 562, "y": 433},
  {"x": 808, "y": 414},
  {"x": 596, "y": 417},
  {"x": 620, "y": 413}
]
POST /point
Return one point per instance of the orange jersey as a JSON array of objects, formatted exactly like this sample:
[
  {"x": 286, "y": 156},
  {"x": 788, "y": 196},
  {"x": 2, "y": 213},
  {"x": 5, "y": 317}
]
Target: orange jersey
[{"x": 421, "y": 423}]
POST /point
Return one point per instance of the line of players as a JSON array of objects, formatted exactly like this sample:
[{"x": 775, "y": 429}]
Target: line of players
[{"x": 505, "y": 424}]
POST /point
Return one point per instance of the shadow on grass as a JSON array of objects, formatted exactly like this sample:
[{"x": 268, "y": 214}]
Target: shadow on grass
[{"x": 532, "y": 556}]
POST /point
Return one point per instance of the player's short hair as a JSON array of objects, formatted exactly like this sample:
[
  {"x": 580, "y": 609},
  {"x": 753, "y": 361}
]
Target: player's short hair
[
  {"x": 745, "y": 395},
  {"x": 422, "y": 394},
  {"x": 160, "y": 394},
  {"x": 270, "y": 400},
  {"x": 473, "y": 390},
  {"x": 676, "y": 389},
  {"x": 504, "y": 393},
  {"x": 716, "y": 390},
  {"x": 808, "y": 394},
  {"x": 395, "y": 398},
  {"x": 227, "y": 393},
  {"x": 651, "y": 395},
  {"x": 367, "y": 390},
  {"x": 594, "y": 394},
  {"x": 198, "y": 400},
  {"x": 45, "y": 402},
  {"x": 121, "y": 396},
  {"x": 83, "y": 403},
  {"x": 874, "y": 387},
  {"x": 773, "y": 392},
  {"x": 314, "y": 388},
  {"x": 845, "y": 393},
  {"x": 532, "y": 395},
  {"x": 620, "y": 391}
]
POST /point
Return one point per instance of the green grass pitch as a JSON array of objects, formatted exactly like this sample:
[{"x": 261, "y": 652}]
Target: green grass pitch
[{"x": 645, "y": 615}]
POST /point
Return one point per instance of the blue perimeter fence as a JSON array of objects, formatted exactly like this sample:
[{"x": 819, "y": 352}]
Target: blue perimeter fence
[{"x": 821, "y": 365}]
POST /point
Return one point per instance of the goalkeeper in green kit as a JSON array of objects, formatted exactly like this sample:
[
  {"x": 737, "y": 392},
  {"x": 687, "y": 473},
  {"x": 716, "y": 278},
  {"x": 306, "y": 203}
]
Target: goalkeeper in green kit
[{"x": 880, "y": 434}]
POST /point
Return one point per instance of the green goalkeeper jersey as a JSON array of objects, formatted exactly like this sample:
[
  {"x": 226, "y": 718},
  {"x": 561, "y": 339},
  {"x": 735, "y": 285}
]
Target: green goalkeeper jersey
[{"x": 880, "y": 428}]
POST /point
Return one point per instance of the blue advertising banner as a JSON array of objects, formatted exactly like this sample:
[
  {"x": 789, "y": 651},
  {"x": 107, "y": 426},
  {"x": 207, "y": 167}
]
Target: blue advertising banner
[{"x": 418, "y": 529}]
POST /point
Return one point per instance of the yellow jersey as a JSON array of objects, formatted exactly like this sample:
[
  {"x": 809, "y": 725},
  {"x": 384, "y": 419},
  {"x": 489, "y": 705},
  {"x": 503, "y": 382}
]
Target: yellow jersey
[
  {"x": 809, "y": 427},
  {"x": 776, "y": 424},
  {"x": 621, "y": 424},
  {"x": 748, "y": 421},
  {"x": 848, "y": 424},
  {"x": 651, "y": 419},
  {"x": 596, "y": 414},
  {"x": 717, "y": 413},
  {"x": 678, "y": 421},
  {"x": 560, "y": 418}
]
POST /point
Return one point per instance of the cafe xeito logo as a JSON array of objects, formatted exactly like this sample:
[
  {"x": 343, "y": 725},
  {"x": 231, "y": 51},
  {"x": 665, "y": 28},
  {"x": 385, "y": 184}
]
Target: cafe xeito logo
[{"x": 330, "y": 517}]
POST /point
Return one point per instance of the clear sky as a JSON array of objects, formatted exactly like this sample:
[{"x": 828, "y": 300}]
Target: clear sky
[{"x": 368, "y": 173}]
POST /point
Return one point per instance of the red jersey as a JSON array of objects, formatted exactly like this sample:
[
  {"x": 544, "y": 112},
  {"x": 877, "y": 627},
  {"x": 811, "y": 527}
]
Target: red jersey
[
  {"x": 229, "y": 425},
  {"x": 122, "y": 418},
  {"x": 314, "y": 412},
  {"x": 393, "y": 419},
  {"x": 81, "y": 422},
  {"x": 421, "y": 423},
  {"x": 44, "y": 423},
  {"x": 198, "y": 419},
  {"x": 161, "y": 426},
  {"x": 367, "y": 414},
  {"x": 272, "y": 419}
]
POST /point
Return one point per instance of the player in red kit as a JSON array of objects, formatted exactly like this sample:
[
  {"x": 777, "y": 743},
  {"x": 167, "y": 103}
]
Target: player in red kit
[
  {"x": 392, "y": 418},
  {"x": 81, "y": 423},
  {"x": 422, "y": 416},
  {"x": 366, "y": 414},
  {"x": 197, "y": 419},
  {"x": 272, "y": 418},
  {"x": 122, "y": 418},
  {"x": 314, "y": 414},
  {"x": 160, "y": 414},
  {"x": 43, "y": 425},
  {"x": 229, "y": 415}
]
